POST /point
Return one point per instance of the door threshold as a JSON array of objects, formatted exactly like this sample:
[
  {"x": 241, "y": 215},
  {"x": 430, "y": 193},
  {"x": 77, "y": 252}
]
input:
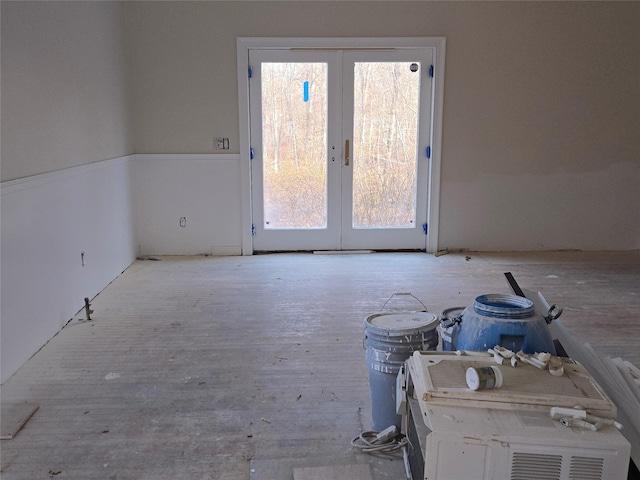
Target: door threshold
[{"x": 340, "y": 252}]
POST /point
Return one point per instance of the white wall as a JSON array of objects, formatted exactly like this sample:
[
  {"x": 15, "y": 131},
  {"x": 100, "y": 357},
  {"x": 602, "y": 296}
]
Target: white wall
[
  {"x": 66, "y": 182},
  {"x": 47, "y": 221},
  {"x": 204, "y": 189},
  {"x": 541, "y": 111}
]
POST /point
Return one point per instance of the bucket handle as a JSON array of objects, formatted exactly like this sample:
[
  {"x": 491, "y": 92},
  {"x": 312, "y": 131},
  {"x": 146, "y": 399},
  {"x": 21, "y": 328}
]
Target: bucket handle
[
  {"x": 404, "y": 293},
  {"x": 448, "y": 322},
  {"x": 554, "y": 312}
]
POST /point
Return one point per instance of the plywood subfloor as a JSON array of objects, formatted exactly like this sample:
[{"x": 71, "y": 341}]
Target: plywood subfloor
[{"x": 204, "y": 368}]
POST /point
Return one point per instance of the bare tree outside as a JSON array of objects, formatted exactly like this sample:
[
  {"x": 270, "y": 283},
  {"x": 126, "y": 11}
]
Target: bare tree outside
[
  {"x": 294, "y": 116},
  {"x": 294, "y": 140},
  {"x": 385, "y": 144}
]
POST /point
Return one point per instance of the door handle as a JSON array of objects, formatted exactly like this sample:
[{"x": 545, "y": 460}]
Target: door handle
[{"x": 346, "y": 153}]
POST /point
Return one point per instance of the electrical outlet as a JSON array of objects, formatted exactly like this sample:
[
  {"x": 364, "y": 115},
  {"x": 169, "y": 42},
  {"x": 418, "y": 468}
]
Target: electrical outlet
[{"x": 221, "y": 143}]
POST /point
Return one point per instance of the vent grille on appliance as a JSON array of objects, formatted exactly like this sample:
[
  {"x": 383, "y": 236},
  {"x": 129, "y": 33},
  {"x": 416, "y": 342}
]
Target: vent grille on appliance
[
  {"x": 586, "y": 468},
  {"x": 533, "y": 466}
]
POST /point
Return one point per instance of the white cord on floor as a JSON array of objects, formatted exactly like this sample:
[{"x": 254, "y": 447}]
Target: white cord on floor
[
  {"x": 387, "y": 441},
  {"x": 368, "y": 443}
]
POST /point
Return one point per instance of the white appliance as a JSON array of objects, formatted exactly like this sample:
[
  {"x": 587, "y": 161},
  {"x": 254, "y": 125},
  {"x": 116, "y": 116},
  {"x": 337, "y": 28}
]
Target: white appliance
[{"x": 506, "y": 433}]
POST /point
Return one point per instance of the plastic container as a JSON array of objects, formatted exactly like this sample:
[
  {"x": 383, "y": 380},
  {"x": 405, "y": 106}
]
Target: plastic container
[
  {"x": 484, "y": 378},
  {"x": 506, "y": 320}
]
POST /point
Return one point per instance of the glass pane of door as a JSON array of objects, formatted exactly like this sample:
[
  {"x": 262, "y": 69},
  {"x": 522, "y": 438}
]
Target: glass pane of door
[
  {"x": 387, "y": 119},
  {"x": 385, "y": 141},
  {"x": 295, "y": 134},
  {"x": 294, "y": 143}
]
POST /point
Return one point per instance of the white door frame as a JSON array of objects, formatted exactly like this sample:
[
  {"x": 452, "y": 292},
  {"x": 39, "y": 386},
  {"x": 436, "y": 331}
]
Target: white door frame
[{"x": 244, "y": 44}]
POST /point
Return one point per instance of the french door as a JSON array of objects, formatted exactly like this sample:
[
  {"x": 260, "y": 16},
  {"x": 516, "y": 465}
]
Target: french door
[{"x": 340, "y": 144}]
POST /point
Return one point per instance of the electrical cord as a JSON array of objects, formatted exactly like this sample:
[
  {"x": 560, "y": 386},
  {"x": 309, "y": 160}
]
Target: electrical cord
[
  {"x": 387, "y": 441},
  {"x": 369, "y": 442}
]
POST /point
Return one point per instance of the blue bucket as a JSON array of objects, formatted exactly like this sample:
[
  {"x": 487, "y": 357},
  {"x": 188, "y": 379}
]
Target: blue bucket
[
  {"x": 506, "y": 320},
  {"x": 390, "y": 339}
]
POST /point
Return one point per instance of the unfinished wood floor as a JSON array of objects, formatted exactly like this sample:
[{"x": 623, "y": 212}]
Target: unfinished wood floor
[{"x": 245, "y": 367}]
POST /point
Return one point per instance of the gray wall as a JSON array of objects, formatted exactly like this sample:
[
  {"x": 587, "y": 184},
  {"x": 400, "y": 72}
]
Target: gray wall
[
  {"x": 65, "y": 99},
  {"x": 541, "y": 111}
]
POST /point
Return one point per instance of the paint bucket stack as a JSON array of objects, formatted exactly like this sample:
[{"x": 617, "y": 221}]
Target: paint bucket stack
[{"x": 389, "y": 340}]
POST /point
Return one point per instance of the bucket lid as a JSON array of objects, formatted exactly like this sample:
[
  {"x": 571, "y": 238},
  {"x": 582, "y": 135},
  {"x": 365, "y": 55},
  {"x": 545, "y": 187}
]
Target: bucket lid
[
  {"x": 451, "y": 312},
  {"x": 401, "y": 323}
]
